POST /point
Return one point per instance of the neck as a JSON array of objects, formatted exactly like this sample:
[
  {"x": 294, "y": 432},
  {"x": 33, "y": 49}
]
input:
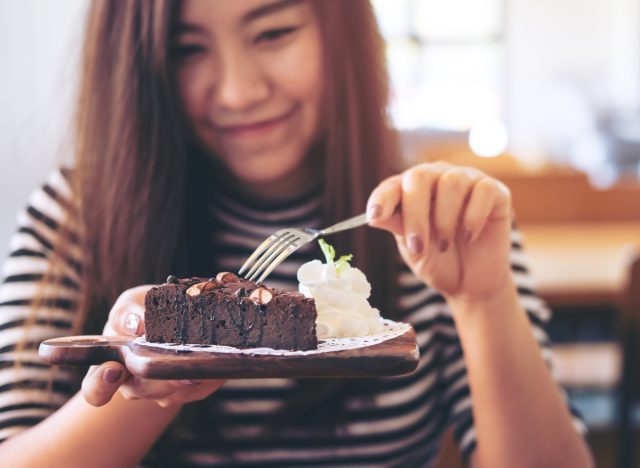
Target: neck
[{"x": 306, "y": 177}]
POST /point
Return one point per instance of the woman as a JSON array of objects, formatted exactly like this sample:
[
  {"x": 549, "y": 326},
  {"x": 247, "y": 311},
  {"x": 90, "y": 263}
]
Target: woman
[{"x": 201, "y": 128}]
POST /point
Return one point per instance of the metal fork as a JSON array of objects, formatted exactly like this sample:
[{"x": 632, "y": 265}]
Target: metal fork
[{"x": 279, "y": 245}]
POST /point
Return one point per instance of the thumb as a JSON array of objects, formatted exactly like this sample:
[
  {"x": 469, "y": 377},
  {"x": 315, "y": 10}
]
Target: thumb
[{"x": 101, "y": 382}]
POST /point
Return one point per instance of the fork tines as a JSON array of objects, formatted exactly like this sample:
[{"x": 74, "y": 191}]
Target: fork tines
[{"x": 269, "y": 255}]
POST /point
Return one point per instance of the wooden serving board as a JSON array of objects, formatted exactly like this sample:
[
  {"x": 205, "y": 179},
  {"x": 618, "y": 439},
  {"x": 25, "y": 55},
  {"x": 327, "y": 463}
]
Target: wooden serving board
[{"x": 395, "y": 356}]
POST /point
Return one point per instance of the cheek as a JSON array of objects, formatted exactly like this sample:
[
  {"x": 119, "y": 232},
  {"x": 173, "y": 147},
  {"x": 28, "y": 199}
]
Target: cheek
[
  {"x": 192, "y": 88},
  {"x": 299, "y": 71}
]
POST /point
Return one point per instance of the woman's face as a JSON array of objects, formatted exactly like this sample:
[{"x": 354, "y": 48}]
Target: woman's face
[{"x": 250, "y": 79}]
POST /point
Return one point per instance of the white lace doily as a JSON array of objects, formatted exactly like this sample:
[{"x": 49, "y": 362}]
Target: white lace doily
[{"x": 391, "y": 330}]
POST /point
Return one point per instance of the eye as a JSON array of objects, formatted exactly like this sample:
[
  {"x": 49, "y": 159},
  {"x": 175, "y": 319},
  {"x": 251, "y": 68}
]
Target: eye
[
  {"x": 183, "y": 51},
  {"x": 274, "y": 34}
]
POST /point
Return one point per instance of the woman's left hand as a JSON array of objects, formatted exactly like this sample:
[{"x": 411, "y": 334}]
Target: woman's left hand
[
  {"x": 126, "y": 318},
  {"x": 453, "y": 227}
]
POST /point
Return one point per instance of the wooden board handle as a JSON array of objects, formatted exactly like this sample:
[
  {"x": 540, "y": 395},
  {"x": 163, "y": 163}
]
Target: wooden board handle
[
  {"x": 395, "y": 356},
  {"x": 84, "y": 349}
]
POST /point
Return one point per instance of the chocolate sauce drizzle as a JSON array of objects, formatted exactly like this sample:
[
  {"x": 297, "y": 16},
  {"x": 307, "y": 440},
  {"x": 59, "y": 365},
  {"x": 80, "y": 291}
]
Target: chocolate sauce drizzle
[
  {"x": 182, "y": 318},
  {"x": 203, "y": 331},
  {"x": 295, "y": 314},
  {"x": 212, "y": 317}
]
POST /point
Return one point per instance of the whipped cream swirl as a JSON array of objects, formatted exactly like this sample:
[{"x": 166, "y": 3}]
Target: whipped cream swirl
[{"x": 341, "y": 300}]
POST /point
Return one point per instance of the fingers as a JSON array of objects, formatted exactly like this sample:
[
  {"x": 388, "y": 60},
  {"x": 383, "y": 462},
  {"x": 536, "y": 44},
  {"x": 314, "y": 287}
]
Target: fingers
[
  {"x": 101, "y": 382},
  {"x": 168, "y": 392},
  {"x": 127, "y": 314},
  {"x": 401, "y": 204},
  {"x": 418, "y": 186},
  {"x": 382, "y": 203},
  {"x": 126, "y": 318},
  {"x": 202, "y": 390},
  {"x": 137, "y": 388},
  {"x": 453, "y": 191},
  {"x": 490, "y": 200},
  {"x": 439, "y": 204}
]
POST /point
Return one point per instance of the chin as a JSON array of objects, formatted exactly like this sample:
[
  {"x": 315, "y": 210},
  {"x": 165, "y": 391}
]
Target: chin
[
  {"x": 275, "y": 175},
  {"x": 264, "y": 171}
]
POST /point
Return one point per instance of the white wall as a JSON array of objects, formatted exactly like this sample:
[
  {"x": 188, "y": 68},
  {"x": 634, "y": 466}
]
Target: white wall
[
  {"x": 39, "y": 47},
  {"x": 567, "y": 59}
]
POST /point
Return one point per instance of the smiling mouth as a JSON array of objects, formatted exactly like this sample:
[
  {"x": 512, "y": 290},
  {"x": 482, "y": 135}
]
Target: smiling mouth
[{"x": 252, "y": 128}]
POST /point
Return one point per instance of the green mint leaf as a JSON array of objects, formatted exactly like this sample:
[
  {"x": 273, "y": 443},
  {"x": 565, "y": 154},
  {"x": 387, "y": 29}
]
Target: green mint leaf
[
  {"x": 330, "y": 254},
  {"x": 345, "y": 258},
  {"x": 328, "y": 251},
  {"x": 343, "y": 263}
]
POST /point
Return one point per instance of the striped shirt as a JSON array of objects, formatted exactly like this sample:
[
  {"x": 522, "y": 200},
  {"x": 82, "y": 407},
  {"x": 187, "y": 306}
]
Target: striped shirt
[{"x": 394, "y": 421}]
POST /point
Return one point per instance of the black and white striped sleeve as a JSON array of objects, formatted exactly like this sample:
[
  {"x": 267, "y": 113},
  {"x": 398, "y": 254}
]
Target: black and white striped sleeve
[{"x": 32, "y": 390}]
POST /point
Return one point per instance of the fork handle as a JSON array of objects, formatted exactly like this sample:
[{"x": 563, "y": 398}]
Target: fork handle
[{"x": 350, "y": 223}]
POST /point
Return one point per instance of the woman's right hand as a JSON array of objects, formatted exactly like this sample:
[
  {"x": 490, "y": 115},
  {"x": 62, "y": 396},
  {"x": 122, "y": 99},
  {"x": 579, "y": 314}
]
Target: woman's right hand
[{"x": 102, "y": 382}]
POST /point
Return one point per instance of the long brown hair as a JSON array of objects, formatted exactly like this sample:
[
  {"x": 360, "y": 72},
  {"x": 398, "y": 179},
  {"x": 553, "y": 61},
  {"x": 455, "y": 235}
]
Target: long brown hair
[
  {"x": 361, "y": 148},
  {"x": 129, "y": 173}
]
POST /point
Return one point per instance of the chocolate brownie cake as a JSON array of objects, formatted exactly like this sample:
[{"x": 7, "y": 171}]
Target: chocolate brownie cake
[{"x": 227, "y": 310}]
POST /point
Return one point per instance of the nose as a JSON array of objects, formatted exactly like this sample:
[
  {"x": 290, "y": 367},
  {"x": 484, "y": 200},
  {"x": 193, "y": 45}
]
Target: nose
[{"x": 241, "y": 84}]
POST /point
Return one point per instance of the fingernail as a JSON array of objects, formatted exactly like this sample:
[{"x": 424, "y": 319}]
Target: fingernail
[
  {"x": 466, "y": 235},
  {"x": 443, "y": 245},
  {"x": 112, "y": 375},
  {"x": 374, "y": 212},
  {"x": 414, "y": 243},
  {"x": 132, "y": 323}
]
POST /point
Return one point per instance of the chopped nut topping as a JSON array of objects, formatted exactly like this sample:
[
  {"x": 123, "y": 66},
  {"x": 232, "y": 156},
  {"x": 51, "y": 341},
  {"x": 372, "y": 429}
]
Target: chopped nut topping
[
  {"x": 194, "y": 290},
  {"x": 199, "y": 288},
  {"x": 226, "y": 277},
  {"x": 261, "y": 296},
  {"x": 171, "y": 279}
]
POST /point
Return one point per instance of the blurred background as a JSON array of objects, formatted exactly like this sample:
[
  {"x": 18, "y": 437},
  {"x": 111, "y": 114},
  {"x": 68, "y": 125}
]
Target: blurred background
[{"x": 543, "y": 94}]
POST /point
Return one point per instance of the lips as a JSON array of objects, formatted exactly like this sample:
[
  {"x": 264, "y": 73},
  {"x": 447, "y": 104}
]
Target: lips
[{"x": 253, "y": 128}]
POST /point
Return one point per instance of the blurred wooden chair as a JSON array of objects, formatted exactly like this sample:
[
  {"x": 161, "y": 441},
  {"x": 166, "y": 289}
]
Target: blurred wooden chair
[
  {"x": 566, "y": 196},
  {"x": 458, "y": 153}
]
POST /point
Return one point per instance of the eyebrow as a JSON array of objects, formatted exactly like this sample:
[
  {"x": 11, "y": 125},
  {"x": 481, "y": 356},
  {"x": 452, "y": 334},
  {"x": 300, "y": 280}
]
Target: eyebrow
[
  {"x": 268, "y": 9},
  {"x": 183, "y": 27}
]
